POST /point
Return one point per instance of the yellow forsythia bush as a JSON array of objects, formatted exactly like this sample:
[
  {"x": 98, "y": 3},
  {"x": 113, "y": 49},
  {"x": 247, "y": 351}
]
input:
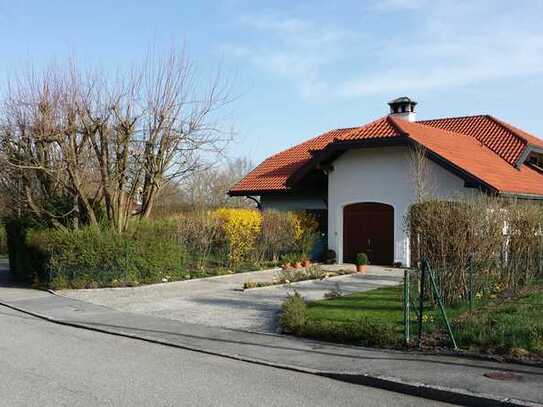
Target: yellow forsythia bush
[{"x": 242, "y": 230}]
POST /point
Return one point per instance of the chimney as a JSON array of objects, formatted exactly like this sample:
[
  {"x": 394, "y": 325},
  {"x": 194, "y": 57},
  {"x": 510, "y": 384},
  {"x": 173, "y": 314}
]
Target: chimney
[{"x": 403, "y": 108}]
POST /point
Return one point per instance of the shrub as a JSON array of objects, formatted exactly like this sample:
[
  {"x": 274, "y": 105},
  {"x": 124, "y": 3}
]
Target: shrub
[
  {"x": 277, "y": 234},
  {"x": 293, "y": 314},
  {"x": 305, "y": 235},
  {"x": 191, "y": 244},
  {"x": 364, "y": 331},
  {"x": 460, "y": 236},
  {"x": 91, "y": 257},
  {"x": 200, "y": 236},
  {"x": 361, "y": 259},
  {"x": 241, "y": 229}
]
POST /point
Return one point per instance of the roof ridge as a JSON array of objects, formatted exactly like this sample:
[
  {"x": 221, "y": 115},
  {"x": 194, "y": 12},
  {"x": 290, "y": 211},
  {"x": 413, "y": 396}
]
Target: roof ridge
[{"x": 453, "y": 117}]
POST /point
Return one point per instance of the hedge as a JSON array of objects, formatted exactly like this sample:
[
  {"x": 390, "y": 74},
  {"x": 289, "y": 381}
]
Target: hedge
[
  {"x": 92, "y": 257},
  {"x": 189, "y": 245},
  {"x": 501, "y": 241}
]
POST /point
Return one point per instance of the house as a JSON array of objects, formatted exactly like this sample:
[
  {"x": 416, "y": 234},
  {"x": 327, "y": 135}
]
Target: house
[{"x": 360, "y": 181}]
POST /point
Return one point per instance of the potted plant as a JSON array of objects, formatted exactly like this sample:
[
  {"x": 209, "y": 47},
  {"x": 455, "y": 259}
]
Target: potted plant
[
  {"x": 306, "y": 262},
  {"x": 297, "y": 261},
  {"x": 285, "y": 262},
  {"x": 361, "y": 262}
]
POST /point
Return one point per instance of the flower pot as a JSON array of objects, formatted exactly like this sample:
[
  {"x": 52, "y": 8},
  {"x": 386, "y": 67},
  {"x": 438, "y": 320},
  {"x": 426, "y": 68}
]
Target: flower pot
[
  {"x": 298, "y": 265},
  {"x": 362, "y": 268},
  {"x": 285, "y": 266},
  {"x": 307, "y": 263}
]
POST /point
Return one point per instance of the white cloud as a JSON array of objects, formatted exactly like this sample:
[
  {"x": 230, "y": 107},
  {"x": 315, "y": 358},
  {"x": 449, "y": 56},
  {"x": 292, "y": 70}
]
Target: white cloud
[
  {"x": 448, "y": 44},
  {"x": 294, "y": 49}
]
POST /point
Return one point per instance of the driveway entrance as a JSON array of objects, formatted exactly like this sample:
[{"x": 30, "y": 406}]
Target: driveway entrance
[{"x": 218, "y": 301}]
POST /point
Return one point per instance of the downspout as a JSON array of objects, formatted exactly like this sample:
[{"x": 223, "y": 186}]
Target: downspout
[{"x": 258, "y": 203}]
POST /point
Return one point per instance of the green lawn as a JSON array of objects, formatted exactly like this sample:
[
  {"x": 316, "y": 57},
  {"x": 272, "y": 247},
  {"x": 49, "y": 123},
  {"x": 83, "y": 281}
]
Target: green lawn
[
  {"x": 383, "y": 304},
  {"x": 511, "y": 325}
]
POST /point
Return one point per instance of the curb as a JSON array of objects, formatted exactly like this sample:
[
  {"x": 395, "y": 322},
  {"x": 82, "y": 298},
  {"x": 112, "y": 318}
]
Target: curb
[{"x": 438, "y": 393}]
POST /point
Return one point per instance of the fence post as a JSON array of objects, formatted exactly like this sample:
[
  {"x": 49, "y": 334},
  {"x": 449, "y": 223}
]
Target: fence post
[
  {"x": 421, "y": 302},
  {"x": 406, "y": 303}
]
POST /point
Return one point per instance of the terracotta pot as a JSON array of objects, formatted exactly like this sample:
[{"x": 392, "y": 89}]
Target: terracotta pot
[
  {"x": 298, "y": 265},
  {"x": 362, "y": 268},
  {"x": 285, "y": 266},
  {"x": 307, "y": 263}
]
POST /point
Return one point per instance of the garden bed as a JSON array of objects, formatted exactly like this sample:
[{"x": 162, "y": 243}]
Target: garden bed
[
  {"x": 508, "y": 327},
  {"x": 294, "y": 275}
]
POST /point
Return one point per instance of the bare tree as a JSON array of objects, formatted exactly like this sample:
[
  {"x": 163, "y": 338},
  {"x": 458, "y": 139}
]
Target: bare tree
[
  {"x": 207, "y": 188},
  {"x": 420, "y": 173},
  {"x": 93, "y": 143}
]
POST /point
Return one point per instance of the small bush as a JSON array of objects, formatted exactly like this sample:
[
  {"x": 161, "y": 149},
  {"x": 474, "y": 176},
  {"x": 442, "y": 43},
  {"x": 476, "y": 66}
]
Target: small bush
[
  {"x": 362, "y": 259},
  {"x": 293, "y": 315}
]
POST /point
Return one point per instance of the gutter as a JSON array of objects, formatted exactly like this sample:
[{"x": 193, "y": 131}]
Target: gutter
[{"x": 521, "y": 195}]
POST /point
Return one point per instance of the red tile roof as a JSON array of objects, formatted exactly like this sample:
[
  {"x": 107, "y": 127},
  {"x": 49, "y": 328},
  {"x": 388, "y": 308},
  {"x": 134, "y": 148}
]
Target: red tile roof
[
  {"x": 482, "y": 146},
  {"x": 467, "y": 153}
]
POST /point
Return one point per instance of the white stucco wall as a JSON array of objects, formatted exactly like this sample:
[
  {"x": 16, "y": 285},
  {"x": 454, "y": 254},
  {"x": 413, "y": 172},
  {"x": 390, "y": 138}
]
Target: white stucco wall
[
  {"x": 382, "y": 175},
  {"x": 292, "y": 202}
]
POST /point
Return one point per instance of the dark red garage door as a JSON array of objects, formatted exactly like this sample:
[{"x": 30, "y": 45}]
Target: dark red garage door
[{"x": 369, "y": 227}]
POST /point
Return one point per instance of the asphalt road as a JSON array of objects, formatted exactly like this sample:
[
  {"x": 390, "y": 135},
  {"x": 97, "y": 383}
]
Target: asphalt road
[{"x": 45, "y": 364}]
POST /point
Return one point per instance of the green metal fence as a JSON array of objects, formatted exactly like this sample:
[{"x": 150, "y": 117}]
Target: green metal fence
[{"x": 419, "y": 285}]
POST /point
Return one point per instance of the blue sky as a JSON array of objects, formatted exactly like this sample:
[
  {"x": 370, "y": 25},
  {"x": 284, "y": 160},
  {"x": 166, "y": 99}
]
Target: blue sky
[{"x": 301, "y": 68}]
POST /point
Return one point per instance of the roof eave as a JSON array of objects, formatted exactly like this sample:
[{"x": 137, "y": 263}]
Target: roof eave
[
  {"x": 338, "y": 147},
  {"x": 255, "y": 192},
  {"x": 521, "y": 195}
]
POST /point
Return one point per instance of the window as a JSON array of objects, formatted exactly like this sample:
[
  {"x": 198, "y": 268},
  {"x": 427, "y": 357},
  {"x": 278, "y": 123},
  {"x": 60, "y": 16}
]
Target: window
[{"x": 536, "y": 160}]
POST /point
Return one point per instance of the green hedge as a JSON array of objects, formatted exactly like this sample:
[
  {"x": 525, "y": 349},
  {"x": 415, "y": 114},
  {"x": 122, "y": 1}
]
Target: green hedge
[{"x": 92, "y": 257}]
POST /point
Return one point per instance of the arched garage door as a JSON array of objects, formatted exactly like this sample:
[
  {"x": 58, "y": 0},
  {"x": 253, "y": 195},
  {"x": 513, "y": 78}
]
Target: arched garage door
[{"x": 369, "y": 227}]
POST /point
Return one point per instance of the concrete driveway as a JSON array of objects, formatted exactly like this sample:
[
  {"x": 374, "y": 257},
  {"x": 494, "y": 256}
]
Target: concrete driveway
[{"x": 219, "y": 301}]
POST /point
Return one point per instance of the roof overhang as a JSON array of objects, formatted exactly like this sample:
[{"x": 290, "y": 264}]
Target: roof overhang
[
  {"x": 256, "y": 192},
  {"x": 521, "y": 195},
  {"x": 335, "y": 149}
]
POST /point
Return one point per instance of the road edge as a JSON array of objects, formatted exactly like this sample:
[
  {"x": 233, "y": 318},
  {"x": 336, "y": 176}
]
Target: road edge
[{"x": 437, "y": 393}]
